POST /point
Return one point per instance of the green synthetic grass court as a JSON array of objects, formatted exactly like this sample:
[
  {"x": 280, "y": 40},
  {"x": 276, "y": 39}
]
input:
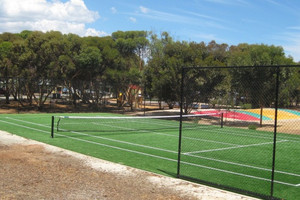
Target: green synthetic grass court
[{"x": 232, "y": 157}]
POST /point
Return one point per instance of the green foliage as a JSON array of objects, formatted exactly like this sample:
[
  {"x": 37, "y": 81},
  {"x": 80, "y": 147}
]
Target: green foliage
[
  {"x": 153, "y": 62},
  {"x": 245, "y": 106},
  {"x": 25, "y": 34}
]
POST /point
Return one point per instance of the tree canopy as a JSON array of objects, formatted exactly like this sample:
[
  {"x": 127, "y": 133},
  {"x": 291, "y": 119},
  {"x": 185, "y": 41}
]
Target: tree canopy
[{"x": 87, "y": 65}]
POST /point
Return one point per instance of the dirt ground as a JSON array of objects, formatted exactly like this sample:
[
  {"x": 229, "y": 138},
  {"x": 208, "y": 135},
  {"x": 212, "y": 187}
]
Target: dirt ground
[{"x": 33, "y": 170}]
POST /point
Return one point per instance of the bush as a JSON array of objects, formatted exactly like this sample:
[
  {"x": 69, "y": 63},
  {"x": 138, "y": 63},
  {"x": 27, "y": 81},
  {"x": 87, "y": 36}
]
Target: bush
[
  {"x": 246, "y": 106},
  {"x": 252, "y": 127}
]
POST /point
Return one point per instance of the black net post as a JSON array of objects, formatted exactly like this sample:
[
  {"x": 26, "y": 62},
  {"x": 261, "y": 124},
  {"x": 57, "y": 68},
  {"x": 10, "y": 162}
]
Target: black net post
[{"x": 52, "y": 126}]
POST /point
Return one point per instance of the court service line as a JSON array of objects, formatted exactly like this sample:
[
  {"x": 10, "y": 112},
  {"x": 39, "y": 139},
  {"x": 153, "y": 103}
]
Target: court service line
[
  {"x": 109, "y": 139},
  {"x": 242, "y": 165},
  {"x": 236, "y": 147},
  {"x": 165, "y": 134},
  {"x": 209, "y": 130},
  {"x": 88, "y": 141},
  {"x": 104, "y": 138},
  {"x": 238, "y": 133},
  {"x": 151, "y": 155},
  {"x": 190, "y": 154}
]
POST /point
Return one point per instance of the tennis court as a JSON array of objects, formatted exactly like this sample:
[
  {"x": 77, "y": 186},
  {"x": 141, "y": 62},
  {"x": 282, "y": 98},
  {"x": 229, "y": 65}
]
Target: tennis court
[{"x": 233, "y": 157}]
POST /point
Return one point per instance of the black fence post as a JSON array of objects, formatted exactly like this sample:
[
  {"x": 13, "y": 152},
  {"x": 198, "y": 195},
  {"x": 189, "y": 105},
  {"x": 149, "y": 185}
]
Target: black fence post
[
  {"x": 222, "y": 120},
  {"x": 261, "y": 116},
  {"x": 144, "y": 100},
  {"x": 180, "y": 124},
  {"x": 275, "y": 129}
]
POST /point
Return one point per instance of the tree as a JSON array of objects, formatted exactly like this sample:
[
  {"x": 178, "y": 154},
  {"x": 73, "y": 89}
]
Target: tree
[
  {"x": 40, "y": 64},
  {"x": 6, "y": 65},
  {"x": 144, "y": 61},
  {"x": 165, "y": 68},
  {"x": 256, "y": 85},
  {"x": 158, "y": 73},
  {"x": 128, "y": 66},
  {"x": 90, "y": 71}
]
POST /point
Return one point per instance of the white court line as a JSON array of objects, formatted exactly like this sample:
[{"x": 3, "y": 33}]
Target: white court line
[
  {"x": 239, "y": 174},
  {"x": 114, "y": 140},
  {"x": 245, "y": 134},
  {"x": 165, "y": 134},
  {"x": 104, "y": 138},
  {"x": 242, "y": 165},
  {"x": 217, "y": 160},
  {"x": 222, "y": 131},
  {"x": 158, "y": 133},
  {"x": 146, "y": 154},
  {"x": 238, "y": 133},
  {"x": 209, "y": 130},
  {"x": 236, "y": 147},
  {"x": 235, "y": 132}
]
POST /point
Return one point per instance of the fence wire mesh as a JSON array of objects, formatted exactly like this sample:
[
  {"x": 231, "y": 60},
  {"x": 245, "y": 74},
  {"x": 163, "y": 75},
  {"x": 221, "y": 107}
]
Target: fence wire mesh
[{"x": 256, "y": 148}]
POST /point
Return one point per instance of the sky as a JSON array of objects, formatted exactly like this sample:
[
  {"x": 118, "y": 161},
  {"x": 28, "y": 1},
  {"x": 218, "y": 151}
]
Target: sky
[{"x": 271, "y": 22}]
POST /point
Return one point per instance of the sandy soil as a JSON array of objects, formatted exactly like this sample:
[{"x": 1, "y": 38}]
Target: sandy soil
[{"x": 33, "y": 170}]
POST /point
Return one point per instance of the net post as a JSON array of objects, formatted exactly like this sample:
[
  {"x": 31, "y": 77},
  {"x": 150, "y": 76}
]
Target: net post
[
  {"x": 222, "y": 120},
  {"x": 52, "y": 126}
]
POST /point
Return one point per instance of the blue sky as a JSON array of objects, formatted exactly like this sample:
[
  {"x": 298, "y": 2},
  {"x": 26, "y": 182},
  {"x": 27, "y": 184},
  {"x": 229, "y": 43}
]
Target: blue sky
[{"x": 269, "y": 22}]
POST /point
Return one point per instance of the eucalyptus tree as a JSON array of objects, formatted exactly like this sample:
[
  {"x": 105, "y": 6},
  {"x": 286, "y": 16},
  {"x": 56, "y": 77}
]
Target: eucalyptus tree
[
  {"x": 41, "y": 64},
  {"x": 89, "y": 70},
  {"x": 6, "y": 65},
  {"x": 128, "y": 68},
  {"x": 256, "y": 84},
  {"x": 165, "y": 67}
]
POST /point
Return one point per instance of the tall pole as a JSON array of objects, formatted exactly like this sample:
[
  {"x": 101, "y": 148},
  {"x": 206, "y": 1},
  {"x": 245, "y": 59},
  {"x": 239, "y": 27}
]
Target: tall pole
[
  {"x": 180, "y": 123},
  {"x": 275, "y": 130}
]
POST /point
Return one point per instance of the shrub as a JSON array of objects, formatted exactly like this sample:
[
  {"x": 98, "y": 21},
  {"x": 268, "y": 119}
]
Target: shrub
[
  {"x": 252, "y": 127},
  {"x": 246, "y": 106}
]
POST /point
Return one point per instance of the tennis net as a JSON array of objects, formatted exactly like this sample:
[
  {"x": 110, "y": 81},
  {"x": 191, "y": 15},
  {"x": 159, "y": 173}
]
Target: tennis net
[{"x": 130, "y": 123}]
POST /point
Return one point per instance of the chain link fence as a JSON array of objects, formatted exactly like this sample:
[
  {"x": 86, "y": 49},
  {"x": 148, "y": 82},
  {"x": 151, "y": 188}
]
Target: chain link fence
[
  {"x": 250, "y": 140},
  {"x": 245, "y": 133}
]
